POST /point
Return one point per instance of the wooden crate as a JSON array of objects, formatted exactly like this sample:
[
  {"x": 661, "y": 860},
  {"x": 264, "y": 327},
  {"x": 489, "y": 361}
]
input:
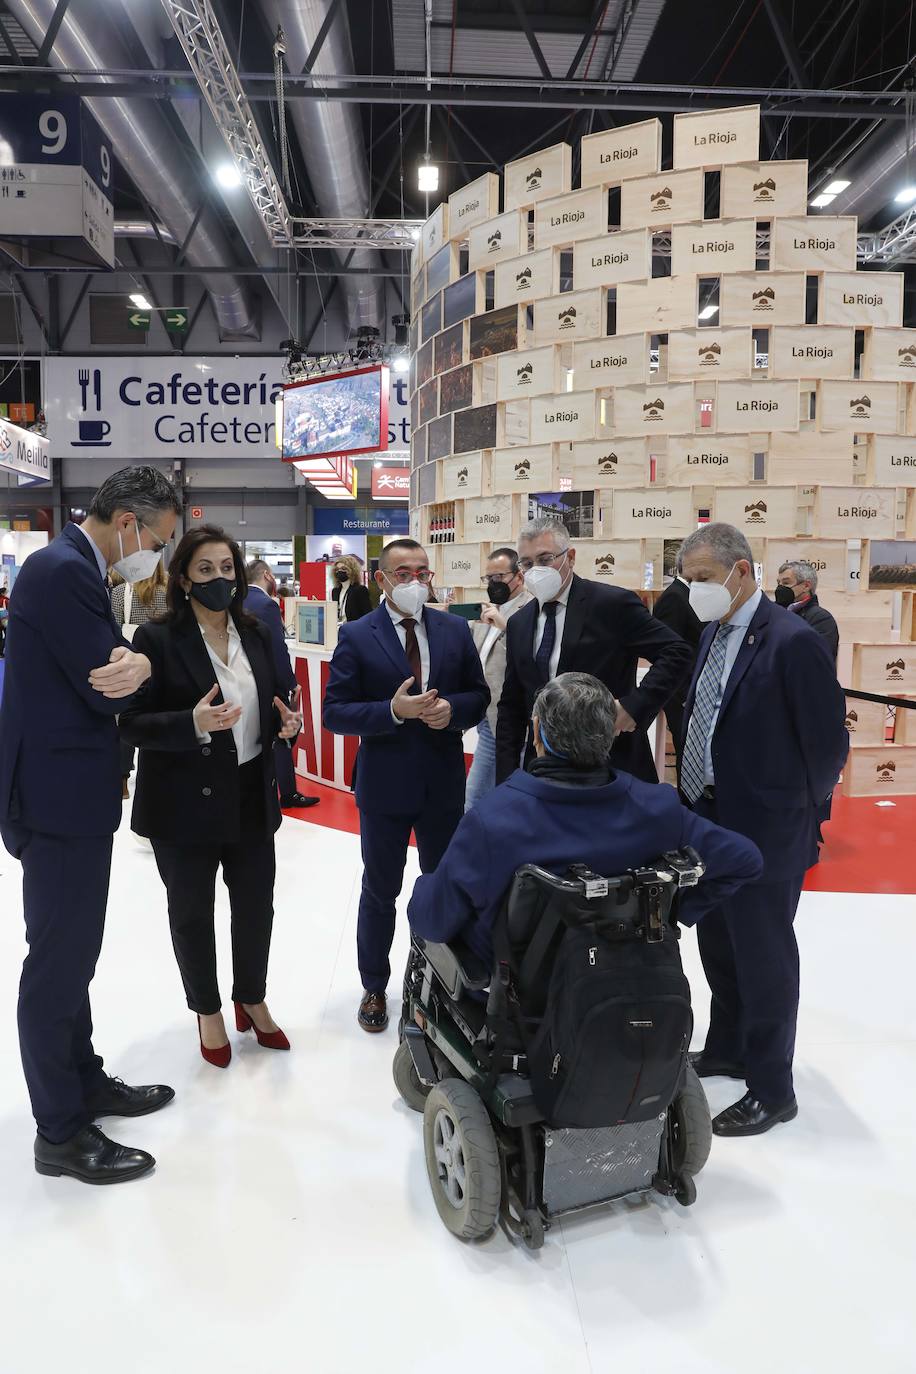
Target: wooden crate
[
  {"x": 762, "y": 298},
  {"x": 533, "y": 372},
  {"x": 770, "y": 512},
  {"x": 611, "y": 258},
  {"x": 652, "y": 410},
  {"x": 854, "y": 512},
  {"x": 811, "y": 351},
  {"x": 713, "y": 246},
  {"x": 653, "y": 513},
  {"x": 862, "y": 299},
  {"x": 712, "y": 138},
  {"x": 434, "y": 232},
  {"x": 748, "y": 407},
  {"x": 613, "y": 562},
  {"x": 537, "y": 177},
  {"x": 522, "y": 469},
  {"x": 492, "y": 519},
  {"x": 855, "y": 408},
  {"x": 574, "y": 315},
  {"x": 474, "y": 204},
  {"x": 713, "y": 459},
  {"x": 562, "y": 418},
  {"x": 661, "y": 200},
  {"x": 892, "y": 460},
  {"x": 905, "y": 725},
  {"x": 621, "y": 154},
  {"x": 710, "y": 354},
  {"x": 866, "y": 722},
  {"x": 908, "y": 618},
  {"x": 890, "y": 354},
  {"x": 620, "y": 360},
  {"x": 577, "y": 215},
  {"x": 459, "y": 565},
  {"x": 463, "y": 476},
  {"x": 609, "y": 463},
  {"x": 527, "y": 278},
  {"x": 828, "y": 557},
  {"x": 888, "y": 668},
  {"x": 815, "y": 243},
  {"x": 504, "y": 236},
  {"x": 657, "y": 306},
  {"x": 861, "y": 616},
  {"x": 886, "y": 771},
  {"x": 761, "y": 189}
]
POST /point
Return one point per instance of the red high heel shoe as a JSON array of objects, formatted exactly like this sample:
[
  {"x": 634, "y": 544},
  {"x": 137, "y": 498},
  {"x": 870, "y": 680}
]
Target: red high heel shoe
[
  {"x": 270, "y": 1040},
  {"x": 220, "y": 1057}
]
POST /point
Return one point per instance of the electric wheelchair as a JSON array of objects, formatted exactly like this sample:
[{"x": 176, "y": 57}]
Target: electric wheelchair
[{"x": 558, "y": 1079}]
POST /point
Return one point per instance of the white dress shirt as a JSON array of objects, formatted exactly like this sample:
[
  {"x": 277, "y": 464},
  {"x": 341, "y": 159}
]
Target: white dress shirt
[
  {"x": 506, "y": 610},
  {"x": 99, "y": 556},
  {"x": 740, "y": 620},
  {"x": 238, "y": 687},
  {"x": 560, "y": 617},
  {"x": 397, "y": 620}
]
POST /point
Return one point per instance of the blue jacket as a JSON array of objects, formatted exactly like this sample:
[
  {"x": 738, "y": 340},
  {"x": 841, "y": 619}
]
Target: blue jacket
[
  {"x": 60, "y": 767},
  {"x": 258, "y": 603},
  {"x": 780, "y": 741},
  {"x": 401, "y": 769},
  {"x": 530, "y": 819}
]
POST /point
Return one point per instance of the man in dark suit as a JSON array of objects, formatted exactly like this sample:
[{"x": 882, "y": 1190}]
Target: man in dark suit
[
  {"x": 796, "y": 589},
  {"x": 569, "y": 807},
  {"x": 406, "y": 679},
  {"x": 759, "y": 760},
  {"x": 68, "y": 674},
  {"x": 673, "y": 609},
  {"x": 574, "y": 625},
  {"x": 262, "y": 588}
]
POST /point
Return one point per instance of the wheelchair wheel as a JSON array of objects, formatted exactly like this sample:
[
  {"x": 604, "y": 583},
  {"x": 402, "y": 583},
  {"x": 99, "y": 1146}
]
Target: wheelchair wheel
[
  {"x": 407, "y": 1080},
  {"x": 691, "y": 1126},
  {"x": 462, "y": 1159}
]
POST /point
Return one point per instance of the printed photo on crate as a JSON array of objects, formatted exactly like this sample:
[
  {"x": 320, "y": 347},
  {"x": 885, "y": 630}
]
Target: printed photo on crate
[
  {"x": 495, "y": 332},
  {"x": 459, "y": 301},
  {"x": 425, "y": 364},
  {"x": 575, "y": 508},
  {"x": 456, "y": 389},
  {"x": 449, "y": 348},
  {"x": 892, "y": 563},
  {"x": 475, "y": 428}
]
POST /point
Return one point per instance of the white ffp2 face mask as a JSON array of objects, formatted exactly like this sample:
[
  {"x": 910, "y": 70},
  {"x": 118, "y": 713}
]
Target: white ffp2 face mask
[
  {"x": 136, "y": 567},
  {"x": 544, "y": 583},
  {"x": 711, "y": 600},
  {"x": 410, "y": 598}
]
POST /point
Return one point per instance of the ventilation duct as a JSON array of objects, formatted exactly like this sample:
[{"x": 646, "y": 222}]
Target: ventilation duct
[
  {"x": 331, "y": 139},
  {"x": 876, "y": 171},
  {"x": 145, "y": 144}
]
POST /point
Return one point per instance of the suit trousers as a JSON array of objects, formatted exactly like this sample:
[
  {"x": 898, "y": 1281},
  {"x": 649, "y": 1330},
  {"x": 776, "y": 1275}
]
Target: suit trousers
[
  {"x": 385, "y": 840},
  {"x": 750, "y": 958},
  {"x": 64, "y": 893},
  {"x": 249, "y": 868},
  {"x": 286, "y": 772},
  {"x": 674, "y": 716}
]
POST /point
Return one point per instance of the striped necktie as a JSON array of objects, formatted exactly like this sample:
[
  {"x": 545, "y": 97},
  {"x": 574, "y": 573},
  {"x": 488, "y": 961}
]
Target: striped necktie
[
  {"x": 548, "y": 640},
  {"x": 693, "y": 765}
]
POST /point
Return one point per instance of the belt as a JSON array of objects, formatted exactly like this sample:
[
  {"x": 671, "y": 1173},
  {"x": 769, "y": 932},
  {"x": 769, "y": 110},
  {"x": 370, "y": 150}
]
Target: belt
[{"x": 708, "y": 794}]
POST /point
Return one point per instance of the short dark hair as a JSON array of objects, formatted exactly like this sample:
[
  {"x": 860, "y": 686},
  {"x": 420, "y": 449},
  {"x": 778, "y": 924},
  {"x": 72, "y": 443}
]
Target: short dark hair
[
  {"x": 144, "y": 490},
  {"x": 410, "y": 544},
  {"x": 511, "y": 554},
  {"x": 255, "y": 569},
  {"x": 178, "y": 603}
]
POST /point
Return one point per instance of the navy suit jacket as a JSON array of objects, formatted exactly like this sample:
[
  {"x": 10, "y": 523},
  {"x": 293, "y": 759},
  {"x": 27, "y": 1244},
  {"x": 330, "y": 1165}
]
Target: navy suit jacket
[
  {"x": 258, "y": 603},
  {"x": 60, "y": 767},
  {"x": 403, "y": 769},
  {"x": 780, "y": 741},
  {"x": 611, "y": 828}
]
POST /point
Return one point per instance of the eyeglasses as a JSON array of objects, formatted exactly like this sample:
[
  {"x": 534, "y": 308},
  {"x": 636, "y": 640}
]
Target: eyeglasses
[
  {"x": 543, "y": 560},
  {"x": 404, "y": 575},
  {"x": 501, "y": 577},
  {"x": 160, "y": 545}
]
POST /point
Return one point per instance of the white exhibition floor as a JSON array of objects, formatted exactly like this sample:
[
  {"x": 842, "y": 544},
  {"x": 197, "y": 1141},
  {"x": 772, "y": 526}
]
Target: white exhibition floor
[{"x": 289, "y": 1225}]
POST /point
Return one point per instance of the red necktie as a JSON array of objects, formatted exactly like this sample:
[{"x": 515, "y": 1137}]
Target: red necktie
[{"x": 412, "y": 650}]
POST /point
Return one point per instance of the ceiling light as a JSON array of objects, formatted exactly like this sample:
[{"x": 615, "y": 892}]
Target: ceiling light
[
  {"x": 399, "y": 363},
  {"x": 836, "y": 187},
  {"x": 415, "y": 235},
  {"x": 708, "y": 311},
  {"x": 140, "y": 301},
  {"x": 228, "y": 175},
  {"x": 906, "y": 195},
  {"x": 823, "y": 199},
  {"x": 427, "y": 177}
]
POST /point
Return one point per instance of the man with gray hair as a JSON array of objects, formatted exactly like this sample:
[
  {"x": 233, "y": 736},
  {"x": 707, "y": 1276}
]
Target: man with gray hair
[
  {"x": 578, "y": 625},
  {"x": 69, "y": 673},
  {"x": 759, "y": 760},
  {"x": 569, "y": 806},
  {"x": 796, "y": 589}
]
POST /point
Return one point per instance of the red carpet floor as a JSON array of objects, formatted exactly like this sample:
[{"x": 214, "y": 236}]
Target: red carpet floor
[{"x": 869, "y": 848}]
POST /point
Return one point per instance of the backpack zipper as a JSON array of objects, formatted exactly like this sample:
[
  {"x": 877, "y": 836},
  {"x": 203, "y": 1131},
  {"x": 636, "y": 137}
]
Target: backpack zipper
[
  {"x": 593, "y": 956},
  {"x": 555, "y": 1066}
]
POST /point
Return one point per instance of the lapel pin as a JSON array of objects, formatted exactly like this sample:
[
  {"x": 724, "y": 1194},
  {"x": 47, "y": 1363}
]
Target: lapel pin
[{"x": 750, "y": 639}]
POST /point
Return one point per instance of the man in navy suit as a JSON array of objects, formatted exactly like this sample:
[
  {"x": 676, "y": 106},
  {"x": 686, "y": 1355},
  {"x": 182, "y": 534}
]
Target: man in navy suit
[
  {"x": 406, "y": 679},
  {"x": 568, "y": 807},
  {"x": 758, "y": 759},
  {"x": 68, "y": 674},
  {"x": 262, "y": 588}
]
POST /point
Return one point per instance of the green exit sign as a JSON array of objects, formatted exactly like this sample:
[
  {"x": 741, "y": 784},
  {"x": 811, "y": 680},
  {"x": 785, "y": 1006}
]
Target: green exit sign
[
  {"x": 176, "y": 320},
  {"x": 138, "y": 319}
]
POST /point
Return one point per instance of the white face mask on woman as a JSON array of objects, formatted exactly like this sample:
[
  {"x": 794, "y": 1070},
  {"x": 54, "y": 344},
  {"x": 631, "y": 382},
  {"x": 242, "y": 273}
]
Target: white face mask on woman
[{"x": 711, "y": 600}]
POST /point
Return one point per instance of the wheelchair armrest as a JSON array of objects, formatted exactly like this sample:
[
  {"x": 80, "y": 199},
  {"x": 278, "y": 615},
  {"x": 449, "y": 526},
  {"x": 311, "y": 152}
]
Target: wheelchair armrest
[{"x": 457, "y": 967}]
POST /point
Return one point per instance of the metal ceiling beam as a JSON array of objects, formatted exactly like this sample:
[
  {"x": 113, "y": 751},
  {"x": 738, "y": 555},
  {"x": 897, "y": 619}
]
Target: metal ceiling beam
[
  {"x": 594, "y": 21},
  {"x": 321, "y": 35},
  {"x": 8, "y": 44},
  {"x": 786, "y": 42},
  {"x": 47, "y": 44},
  {"x": 219, "y": 269},
  {"x": 531, "y": 36}
]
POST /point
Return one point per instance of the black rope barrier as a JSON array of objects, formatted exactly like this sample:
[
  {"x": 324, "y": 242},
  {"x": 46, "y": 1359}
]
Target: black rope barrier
[{"x": 909, "y": 705}]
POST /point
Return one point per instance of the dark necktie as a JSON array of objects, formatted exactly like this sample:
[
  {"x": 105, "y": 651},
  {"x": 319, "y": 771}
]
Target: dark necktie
[
  {"x": 412, "y": 650},
  {"x": 548, "y": 640}
]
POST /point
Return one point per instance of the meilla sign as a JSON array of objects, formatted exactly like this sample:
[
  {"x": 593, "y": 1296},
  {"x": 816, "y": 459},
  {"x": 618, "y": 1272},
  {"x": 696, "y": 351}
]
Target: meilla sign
[{"x": 176, "y": 407}]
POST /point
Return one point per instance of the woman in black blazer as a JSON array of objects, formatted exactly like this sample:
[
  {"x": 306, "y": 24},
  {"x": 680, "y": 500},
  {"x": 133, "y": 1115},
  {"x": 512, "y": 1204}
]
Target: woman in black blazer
[
  {"x": 351, "y": 596},
  {"x": 206, "y": 790}
]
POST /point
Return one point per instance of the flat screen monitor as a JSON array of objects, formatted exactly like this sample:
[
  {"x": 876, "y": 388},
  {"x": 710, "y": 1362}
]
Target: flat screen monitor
[
  {"x": 335, "y": 415},
  {"x": 311, "y": 622}
]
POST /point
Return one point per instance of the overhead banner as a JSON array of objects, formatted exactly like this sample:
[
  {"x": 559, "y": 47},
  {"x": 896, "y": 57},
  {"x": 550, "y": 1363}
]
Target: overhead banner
[
  {"x": 170, "y": 407},
  {"x": 24, "y": 453}
]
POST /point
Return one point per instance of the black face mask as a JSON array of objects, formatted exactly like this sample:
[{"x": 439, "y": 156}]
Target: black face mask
[
  {"x": 784, "y": 596},
  {"x": 499, "y": 593},
  {"x": 216, "y": 595},
  {"x": 342, "y": 576}
]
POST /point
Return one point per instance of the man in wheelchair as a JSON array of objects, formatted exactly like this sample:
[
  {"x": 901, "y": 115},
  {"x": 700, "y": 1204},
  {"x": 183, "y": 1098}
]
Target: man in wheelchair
[{"x": 557, "y": 893}]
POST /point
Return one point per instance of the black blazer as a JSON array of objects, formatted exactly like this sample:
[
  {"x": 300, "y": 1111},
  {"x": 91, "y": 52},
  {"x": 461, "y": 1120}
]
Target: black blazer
[
  {"x": 188, "y": 793},
  {"x": 822, "y": 622},
  {"x": 606, "y": 631},
  {"x": 674, "y": 610},
  {"x": 358, "y": 602}
]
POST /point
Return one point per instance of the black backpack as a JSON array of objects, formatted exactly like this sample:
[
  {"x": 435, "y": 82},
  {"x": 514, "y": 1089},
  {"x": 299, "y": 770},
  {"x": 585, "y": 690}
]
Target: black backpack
[{"x": 600, "y": 993}]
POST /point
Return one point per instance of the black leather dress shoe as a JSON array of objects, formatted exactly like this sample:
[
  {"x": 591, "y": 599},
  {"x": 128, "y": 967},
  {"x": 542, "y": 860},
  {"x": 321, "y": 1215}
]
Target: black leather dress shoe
[
  {"x": 297, "y": 801},
  {"x": 120, "y": 1099},
  {"x": 373, "y": 1012},
  {"x": 752, "y": 1117},
  {"x": 92, "y": 1158},
  {"x": 707, "y": 1066}
]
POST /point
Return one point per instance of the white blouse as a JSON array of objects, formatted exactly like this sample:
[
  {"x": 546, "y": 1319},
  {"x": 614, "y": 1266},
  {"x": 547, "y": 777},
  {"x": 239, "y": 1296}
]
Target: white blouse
[{"x": 238, "y": 687}]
